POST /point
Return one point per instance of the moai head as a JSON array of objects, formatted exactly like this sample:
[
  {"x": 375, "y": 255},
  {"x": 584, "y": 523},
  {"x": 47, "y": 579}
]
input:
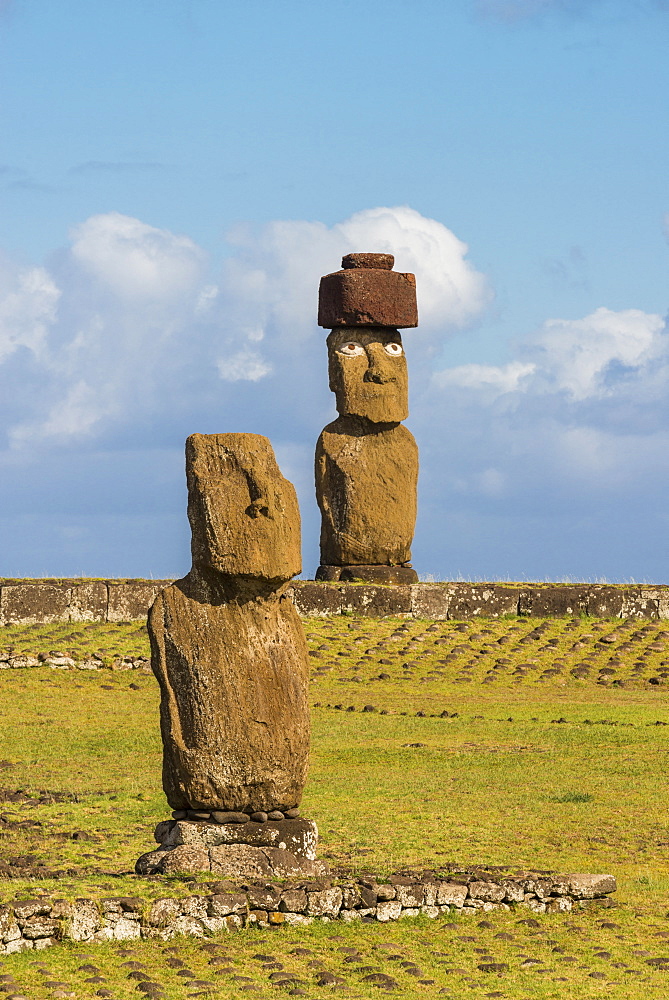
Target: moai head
[
  {"x": 363, "y": 304},
  {"x": 244, "y": 516},
  {"x": 368, "y": 373}
]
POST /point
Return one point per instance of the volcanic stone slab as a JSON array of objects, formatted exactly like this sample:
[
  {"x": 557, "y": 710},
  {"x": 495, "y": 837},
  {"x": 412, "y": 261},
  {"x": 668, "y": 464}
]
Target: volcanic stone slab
[
  {"x": 299, "y": 836},
  {"x": 388, "y": 575}
]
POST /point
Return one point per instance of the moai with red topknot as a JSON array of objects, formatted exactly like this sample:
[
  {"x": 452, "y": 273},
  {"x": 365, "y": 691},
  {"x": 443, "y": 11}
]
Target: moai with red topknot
[{"x": 366, "y": 461}]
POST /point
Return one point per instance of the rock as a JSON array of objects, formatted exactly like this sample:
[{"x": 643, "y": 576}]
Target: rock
[
  {"x": 384, "y": 575},
  {"x": 299, "y": 836},
  {"x": 259, "y": 817},
  {"x": 183, "y": 859},
  {"x": 229, "y": 817},
  {"x": 361, "y": 295},
  {"x": 384, "y": 261},
  {"x": 275, "y": 815},
  {"x": 227, "y": 646}
]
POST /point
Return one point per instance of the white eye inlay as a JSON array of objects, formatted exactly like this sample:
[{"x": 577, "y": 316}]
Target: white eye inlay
[
  {"x": 393, "y": 349},
  {"x": 352, "y": 349}
]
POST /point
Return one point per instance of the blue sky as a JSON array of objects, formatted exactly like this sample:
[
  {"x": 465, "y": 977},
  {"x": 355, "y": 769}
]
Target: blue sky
[{"x": 175, "y": 175}]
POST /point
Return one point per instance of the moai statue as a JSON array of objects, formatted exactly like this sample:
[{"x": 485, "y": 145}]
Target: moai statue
[
  {"x": 229, "y": 653},
  {"x": 366, "y": 461}
]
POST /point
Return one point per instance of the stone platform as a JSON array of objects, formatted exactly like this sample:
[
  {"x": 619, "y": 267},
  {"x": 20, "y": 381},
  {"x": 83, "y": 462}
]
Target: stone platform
[
  {"x": 273, "y": 849},
  {"x": 33, "y": 601}
]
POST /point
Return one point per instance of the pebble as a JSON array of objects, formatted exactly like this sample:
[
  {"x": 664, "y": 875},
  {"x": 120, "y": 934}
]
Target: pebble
[
  {"x": 276, "y": 815},
  {"x": 229, "y": 817},
  {"x": 259, "y": 817}
]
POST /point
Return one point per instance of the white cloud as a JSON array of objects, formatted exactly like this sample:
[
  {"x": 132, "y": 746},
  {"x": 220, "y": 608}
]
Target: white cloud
[
  {"x": 28, "y": 304},
  {"x": 135, "y": 261},
  {"x": 578, "y": 355},
  {"x": 497, "y": 378},
  {"x": 272, "y": 279},
  {"x": 244, "y": 366},
  {"x": 141, "y": 331}
]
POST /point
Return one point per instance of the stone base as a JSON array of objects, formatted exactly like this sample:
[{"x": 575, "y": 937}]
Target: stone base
[
  {"x": 280, "y": 849},
  {"x": 367, "y": 574}
]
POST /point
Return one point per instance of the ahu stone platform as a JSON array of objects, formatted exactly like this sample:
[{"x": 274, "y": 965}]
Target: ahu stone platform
[{"x": 55, "y": 600}]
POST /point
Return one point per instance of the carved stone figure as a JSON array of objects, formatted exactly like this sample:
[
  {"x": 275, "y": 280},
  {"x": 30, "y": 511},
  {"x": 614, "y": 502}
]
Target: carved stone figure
[
  {"x": 229, "y": 653},
  {"x": 226, "y": 646},
  {"x": 366, "y": 461}
]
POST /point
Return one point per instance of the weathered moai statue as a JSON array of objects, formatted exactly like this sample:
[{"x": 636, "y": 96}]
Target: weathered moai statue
[
  {"x": 366, "y": 461},
  {"x": 229, "y": 653}
]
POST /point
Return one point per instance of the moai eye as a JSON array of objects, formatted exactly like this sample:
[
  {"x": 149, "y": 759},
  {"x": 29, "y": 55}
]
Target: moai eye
[
  {"x": 351, "y": 349},
  {"x": 394, "y": 350}
]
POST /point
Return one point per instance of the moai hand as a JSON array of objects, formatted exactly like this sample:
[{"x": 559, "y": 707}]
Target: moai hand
[{"x": 366, "y": 462}]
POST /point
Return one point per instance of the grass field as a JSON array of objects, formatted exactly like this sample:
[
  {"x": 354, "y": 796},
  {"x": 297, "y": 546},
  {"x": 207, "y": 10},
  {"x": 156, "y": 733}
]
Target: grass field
[{"x": 511, "y": 742}]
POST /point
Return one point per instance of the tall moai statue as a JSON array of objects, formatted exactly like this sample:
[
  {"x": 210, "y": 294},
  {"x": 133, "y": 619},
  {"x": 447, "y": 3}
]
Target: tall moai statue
[
  {"x": 229, "y": 653},
  {"x": 366, "y": 461}
]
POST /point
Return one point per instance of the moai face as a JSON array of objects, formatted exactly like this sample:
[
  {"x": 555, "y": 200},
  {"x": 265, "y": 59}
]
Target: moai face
[
  {"x": 244, "y": 515},
  {"x": 368, "y": 373}
]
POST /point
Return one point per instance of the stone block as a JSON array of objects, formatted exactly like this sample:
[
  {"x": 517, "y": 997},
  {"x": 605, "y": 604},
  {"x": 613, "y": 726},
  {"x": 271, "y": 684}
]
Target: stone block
[
  {"x": 604, "y": 602},
  {"x": 430, "y": 600},
  {"x": 488, "y": 892},
  {"x": 386, "y": 576},
  {"x": 263, "y": 897},
  {"x": 297, "y": 919},
  {"x": 222, "y": 904},
  {"x": 410, "y": 895},
  {"x": 562, "y": 904},
  {"x": 364, "y": 599},
  {"x": 26, "y": 908},
  {"x": 326, "y": 903},
  {"x": 299, "y": 836},
  {"x": 163, "y": 911},
  {"x": 39, "y": 927},
  {"x": 87, "y": 602},
  {"x": 85, "y": 920},
  {"x": 514, "y": 892},
  {"x": 486, "y": 601},
  {"x": 188, "y": 858},
  {"x": 388, "y": 910},
  {"x": 315, "y": 600},
  {"x": 293, "y": 901},
  {"x": 587, "y": 886},
  {"x": 553, "y": 602},
  {"x": 450, "y": 894},
  {"x": 34, "y": 602},
  {"x": 130, "y": 602},
  {"x": 367, "y": 297}
]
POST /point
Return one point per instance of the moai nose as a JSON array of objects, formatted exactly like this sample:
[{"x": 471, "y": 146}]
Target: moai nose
[{"x": 378, "y": 371}]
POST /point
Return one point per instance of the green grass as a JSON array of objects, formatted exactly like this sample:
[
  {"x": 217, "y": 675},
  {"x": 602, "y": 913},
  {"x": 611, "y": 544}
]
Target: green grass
[{"x": 472, "y": 750}]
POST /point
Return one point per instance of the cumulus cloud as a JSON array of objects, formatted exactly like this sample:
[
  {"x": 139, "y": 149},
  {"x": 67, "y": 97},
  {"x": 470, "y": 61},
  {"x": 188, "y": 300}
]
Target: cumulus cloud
[
  {"x": 129, "y": 324},
  {"x": 598, "y": 356},
  {"x": 28, "y": 303},
  {"x": 125, "y": 341}
]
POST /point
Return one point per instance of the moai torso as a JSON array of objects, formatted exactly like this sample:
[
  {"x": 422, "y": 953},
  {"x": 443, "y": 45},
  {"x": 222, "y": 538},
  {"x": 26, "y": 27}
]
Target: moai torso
[
  {"x": 227, "y": 646},
  {"x": 366, "y": 485},
  {"x": 366, "y": 461}
]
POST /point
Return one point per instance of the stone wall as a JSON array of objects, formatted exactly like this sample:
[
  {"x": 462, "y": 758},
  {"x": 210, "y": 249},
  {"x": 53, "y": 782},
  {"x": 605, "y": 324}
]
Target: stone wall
[
  {"x": 32, "y": 601},
  {"x": 39, "y": 923}
]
